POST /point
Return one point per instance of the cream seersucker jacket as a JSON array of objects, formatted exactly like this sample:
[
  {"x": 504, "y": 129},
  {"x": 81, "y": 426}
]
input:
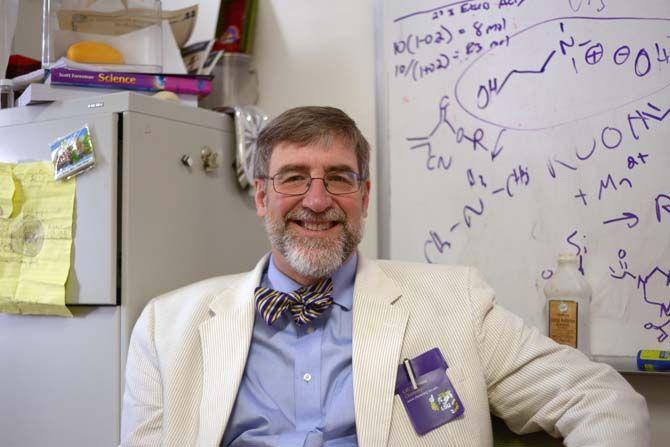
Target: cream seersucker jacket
[{"x": 189, "y": 347}]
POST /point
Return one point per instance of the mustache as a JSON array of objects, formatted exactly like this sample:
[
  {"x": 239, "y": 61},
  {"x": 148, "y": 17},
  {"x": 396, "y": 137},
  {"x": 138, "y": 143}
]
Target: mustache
[{"x": 330, "y": 215}]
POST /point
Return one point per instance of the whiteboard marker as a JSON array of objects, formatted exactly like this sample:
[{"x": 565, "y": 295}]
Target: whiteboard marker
[{"x": 653, "y": 360}]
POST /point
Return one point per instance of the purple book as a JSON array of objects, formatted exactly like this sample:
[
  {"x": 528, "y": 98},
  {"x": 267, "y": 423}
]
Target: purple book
[{"x": 187, "y": 84}]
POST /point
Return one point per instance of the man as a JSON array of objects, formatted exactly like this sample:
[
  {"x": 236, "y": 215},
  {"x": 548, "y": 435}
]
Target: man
[{"x": 306, "y": 349}]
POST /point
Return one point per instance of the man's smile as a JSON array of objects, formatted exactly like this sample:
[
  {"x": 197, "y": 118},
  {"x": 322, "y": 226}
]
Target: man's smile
[{"x": 315, "y": 226}]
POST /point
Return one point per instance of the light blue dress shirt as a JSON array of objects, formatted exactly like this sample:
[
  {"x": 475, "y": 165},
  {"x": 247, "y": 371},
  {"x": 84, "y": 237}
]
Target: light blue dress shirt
[{"x": 297, "y": 388}]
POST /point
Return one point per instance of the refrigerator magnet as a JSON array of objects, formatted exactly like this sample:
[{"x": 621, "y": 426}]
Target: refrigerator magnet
[{"x": 72, "y": 154}]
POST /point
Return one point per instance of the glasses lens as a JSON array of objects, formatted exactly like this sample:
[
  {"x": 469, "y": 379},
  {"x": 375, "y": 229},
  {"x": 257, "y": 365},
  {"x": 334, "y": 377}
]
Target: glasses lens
[
  {"x": 291, "y": 183},
  {"x": 341, "y": 182}
]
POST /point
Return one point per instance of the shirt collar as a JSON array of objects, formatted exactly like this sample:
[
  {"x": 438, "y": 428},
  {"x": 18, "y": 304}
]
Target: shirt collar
[{"x": 343, "y": 281}]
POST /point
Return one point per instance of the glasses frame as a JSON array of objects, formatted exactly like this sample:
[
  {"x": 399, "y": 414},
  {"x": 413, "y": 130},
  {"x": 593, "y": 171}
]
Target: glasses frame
[{"x": 359, "y": 180}]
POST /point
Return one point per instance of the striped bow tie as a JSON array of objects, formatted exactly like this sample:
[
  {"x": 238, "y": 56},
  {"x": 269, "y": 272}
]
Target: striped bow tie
[{"x": 305, "y": 303}]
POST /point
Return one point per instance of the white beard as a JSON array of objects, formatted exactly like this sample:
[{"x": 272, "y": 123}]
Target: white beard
[{"x": 314, "y": 257}]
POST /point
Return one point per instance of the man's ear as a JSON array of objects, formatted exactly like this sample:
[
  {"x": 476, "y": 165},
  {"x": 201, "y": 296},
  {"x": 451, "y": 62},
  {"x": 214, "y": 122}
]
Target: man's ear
[
  {"x": 260, "y": 197},
  {"x": 366, "y": 197}
]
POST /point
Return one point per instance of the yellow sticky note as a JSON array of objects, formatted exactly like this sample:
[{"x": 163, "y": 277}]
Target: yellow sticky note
[
  {"x": 35, "y": 243},
  {"x": 6, "y": 190}
]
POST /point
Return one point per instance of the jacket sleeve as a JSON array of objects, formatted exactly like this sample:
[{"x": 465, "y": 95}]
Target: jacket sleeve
[
  {"x": 142, "y": 417},
  {"x": 534, "y": 383}
]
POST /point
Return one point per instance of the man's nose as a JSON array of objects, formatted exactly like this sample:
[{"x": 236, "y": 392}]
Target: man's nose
[{"x": 317, "y": 198}]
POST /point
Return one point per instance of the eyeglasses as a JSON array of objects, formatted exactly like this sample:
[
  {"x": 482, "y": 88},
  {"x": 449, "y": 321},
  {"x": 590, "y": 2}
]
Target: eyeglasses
[{"x": 296, "y": 183}]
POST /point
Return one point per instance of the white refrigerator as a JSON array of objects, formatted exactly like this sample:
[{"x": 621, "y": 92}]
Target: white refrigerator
[{"x": 145, "y": 223}]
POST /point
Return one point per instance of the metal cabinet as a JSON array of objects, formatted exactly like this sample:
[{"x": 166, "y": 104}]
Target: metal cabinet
[{"x": 145, "y": 223}]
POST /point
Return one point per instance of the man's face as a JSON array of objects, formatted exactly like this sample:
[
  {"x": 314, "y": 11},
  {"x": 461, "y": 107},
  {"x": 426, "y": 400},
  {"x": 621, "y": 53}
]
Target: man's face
[{"x": 312, "y": 234}]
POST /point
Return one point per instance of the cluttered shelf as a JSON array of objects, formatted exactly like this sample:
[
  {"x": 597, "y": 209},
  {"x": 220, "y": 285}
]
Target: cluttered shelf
[{"x": 184, "y": 54}]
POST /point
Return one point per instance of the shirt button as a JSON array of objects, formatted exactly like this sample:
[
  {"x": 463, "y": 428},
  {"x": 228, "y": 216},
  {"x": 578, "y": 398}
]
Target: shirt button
[
  {"x": 310, "y": 329},
  {"x": 307, "y": 377}
]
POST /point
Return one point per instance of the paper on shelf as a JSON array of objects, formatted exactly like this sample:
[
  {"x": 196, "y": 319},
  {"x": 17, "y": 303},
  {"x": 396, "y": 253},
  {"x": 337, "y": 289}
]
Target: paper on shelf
[
  {"x": 210, "y": 62},
  {"x": 205, "y": 26},
  {"x": 196, "y": 54},
  {"x": 172, "y": 60},
  {"x": 36, "y": 241},
  {"x": 119, "y": 22},
  {"x": 6, "y": 191}
]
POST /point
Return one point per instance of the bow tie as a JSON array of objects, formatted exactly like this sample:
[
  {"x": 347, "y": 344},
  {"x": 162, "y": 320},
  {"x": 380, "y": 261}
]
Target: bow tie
[{"x": 305, "y": 304}]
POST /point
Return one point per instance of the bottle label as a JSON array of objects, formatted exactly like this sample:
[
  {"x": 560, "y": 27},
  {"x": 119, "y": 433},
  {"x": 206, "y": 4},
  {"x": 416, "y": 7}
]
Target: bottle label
[{"x": 563, "y": 322}]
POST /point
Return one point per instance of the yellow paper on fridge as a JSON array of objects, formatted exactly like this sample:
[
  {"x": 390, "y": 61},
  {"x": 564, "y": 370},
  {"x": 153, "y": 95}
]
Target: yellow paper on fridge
[
  {"x": 6, "y": 190},
  {"x": 36, "y": 241}
]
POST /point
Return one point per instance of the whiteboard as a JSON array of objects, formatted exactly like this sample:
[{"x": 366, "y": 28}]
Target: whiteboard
[{"x": 513, "y": 130}]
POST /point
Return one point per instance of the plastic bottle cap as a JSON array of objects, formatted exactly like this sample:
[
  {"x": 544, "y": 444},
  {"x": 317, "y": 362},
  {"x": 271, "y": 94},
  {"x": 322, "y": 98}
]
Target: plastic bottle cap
[{"x": 8, "y": 82}]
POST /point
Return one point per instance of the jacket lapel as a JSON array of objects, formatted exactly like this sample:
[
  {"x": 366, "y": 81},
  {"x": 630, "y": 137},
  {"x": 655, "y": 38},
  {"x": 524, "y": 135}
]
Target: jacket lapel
[
  {"x": 225, "y": 340},
  {"x": 378, "y": 331}
]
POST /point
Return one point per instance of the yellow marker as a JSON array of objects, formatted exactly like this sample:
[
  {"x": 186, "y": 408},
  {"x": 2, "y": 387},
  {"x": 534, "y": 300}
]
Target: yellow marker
[{"x": 653, "y": 360}]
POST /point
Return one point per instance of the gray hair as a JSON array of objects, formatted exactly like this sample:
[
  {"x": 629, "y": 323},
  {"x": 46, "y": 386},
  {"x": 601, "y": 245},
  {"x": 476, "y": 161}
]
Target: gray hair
[{"x": 310, "y": 125}]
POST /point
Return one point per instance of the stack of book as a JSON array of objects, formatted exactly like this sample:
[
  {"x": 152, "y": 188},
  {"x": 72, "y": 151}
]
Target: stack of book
[{"x": 66, "y": 79}]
